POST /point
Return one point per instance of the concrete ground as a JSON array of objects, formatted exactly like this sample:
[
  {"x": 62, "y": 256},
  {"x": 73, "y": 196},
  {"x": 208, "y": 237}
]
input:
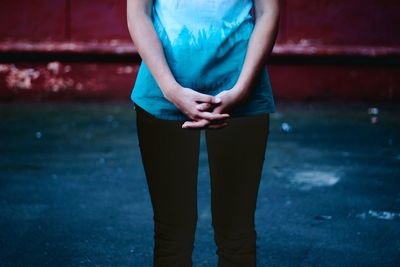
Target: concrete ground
[{"x": 73, "y": 191}]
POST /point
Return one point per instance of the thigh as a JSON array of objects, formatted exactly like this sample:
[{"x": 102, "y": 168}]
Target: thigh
[
  {"x": 170, "y": 160},
  {"x": 236, "y": 155}
]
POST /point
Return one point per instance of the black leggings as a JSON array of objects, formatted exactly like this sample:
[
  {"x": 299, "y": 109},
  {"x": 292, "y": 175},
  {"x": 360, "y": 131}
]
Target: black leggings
[{"x": 170, "y": 156}]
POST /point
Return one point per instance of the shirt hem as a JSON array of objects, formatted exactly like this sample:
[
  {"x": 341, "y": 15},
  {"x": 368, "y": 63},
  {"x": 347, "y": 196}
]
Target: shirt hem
[{"x": 164, "y": 116}]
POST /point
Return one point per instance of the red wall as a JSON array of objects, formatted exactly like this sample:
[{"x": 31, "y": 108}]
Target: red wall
[
  {"x": 330, "y": 49},
  {"x": 352, "y": 22},
  {"x": 346, "y": 22}
]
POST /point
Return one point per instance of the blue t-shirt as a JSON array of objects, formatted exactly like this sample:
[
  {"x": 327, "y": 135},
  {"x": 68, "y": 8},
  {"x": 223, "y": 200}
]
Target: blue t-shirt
[{"x": 205, "y": 44}]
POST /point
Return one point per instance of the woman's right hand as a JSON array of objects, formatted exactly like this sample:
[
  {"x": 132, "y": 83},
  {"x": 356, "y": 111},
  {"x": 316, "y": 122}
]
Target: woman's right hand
[{"x": 187, "y": 100}]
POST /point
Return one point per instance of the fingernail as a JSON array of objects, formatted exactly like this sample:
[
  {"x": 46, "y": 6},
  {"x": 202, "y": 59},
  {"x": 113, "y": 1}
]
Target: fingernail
[{"x": 217, "y": 100}]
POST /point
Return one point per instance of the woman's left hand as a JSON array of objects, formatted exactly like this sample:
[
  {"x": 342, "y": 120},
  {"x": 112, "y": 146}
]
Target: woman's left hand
[{"x": 229, "y": 99}]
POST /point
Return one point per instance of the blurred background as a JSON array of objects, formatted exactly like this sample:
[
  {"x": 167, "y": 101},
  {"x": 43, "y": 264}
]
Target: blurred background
[
  {"x": 72, "y": 187},
  {"x": 69, "y": 49}
]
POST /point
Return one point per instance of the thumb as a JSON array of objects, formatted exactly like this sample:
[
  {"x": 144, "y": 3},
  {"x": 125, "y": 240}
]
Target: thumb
[{"x": 216, "y": 99}]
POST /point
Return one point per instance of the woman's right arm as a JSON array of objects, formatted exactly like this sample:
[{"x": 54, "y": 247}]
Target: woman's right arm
[
  {"x": 148, "y": 45},
  {"x": 150, "y": 49}
]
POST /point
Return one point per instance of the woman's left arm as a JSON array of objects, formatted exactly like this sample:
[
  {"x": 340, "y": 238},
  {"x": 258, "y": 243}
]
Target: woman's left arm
[{"x": 259, "y": 48}]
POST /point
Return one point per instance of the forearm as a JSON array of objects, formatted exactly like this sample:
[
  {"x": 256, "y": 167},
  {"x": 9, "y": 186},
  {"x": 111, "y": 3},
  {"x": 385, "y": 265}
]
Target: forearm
[
  {"x": 149, "y": 47},
  {"x": 259, "y": 48}
]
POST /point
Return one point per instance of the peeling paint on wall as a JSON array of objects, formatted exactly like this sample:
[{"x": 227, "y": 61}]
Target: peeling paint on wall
[
  {"x": 54, "y": 82},
  {"x": 125, "y": 70},
  {"x": 19, "y": 78},
  {"x": 54, "y": 67},
  {"x": 50, "y": 76}
]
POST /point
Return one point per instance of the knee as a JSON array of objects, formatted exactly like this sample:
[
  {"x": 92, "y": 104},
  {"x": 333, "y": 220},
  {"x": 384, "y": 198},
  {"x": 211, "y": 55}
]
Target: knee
[
  {"x": 236, "y": 249},
  {"x": 176, "y": 236},
  {"x": 233, "y": 242},
  {"x": 174, "y": 244}
]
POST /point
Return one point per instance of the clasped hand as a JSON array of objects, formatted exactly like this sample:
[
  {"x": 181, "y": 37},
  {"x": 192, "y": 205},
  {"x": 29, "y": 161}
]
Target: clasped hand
[{"x": 206, "y": 111}]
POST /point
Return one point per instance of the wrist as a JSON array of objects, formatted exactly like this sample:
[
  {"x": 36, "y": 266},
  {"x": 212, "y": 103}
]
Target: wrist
[
  {"x": 239, "y": 93},
  {"x": 170, "y": 90}
]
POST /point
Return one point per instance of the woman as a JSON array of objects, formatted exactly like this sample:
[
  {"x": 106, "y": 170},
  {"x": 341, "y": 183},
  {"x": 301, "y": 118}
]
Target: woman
[{"x": 203, "y": 67}]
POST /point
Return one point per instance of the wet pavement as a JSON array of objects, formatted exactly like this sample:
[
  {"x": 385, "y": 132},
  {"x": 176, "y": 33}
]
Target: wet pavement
[{"x": 73, "y": 191}]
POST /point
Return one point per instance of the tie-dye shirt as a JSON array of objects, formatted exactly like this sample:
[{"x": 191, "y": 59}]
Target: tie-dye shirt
[{"x": 205, "y": 45}]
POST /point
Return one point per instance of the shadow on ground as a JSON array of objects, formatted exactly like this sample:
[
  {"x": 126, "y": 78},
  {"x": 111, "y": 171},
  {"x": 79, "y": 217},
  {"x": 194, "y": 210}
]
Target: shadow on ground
[{"x": 73, "y": 192}]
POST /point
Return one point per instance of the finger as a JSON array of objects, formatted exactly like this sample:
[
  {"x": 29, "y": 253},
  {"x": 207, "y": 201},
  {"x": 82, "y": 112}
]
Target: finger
[
  {"x": 195, "y": 124},
  {"x": 203, "y": 106},
  {"x": 213, "y": 116},
  {"x": 208, "y": 98}
]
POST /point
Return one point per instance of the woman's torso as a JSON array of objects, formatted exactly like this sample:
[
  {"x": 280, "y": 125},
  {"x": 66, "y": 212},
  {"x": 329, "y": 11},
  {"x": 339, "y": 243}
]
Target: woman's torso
[
  {"x": 204, "y": 41},
  {"x": 205, "y": 44}
]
